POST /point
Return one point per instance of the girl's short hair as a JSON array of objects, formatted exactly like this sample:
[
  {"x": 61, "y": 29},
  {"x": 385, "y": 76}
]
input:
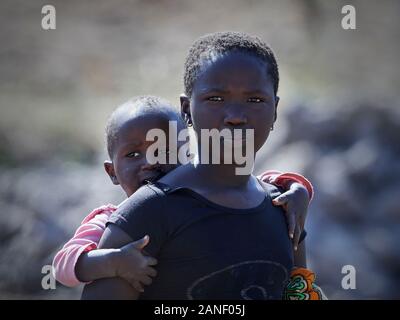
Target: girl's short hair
[{"x": 206, "y": 47}]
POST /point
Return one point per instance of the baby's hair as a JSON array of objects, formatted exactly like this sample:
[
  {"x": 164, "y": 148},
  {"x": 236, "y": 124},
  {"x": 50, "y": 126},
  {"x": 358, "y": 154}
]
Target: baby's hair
[
  {"x": 214, "y": 44},
  {"x": 139, "y": 105}
]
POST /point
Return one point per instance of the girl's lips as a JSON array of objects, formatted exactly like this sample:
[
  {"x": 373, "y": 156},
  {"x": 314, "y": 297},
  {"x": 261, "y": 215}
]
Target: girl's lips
[
  {"x": 240, "y": 139},
  {"x": 235, "y": 141}
]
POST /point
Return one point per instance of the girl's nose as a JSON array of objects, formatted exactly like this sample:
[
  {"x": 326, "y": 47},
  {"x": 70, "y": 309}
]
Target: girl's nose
[
  {"x": 235, "y": 115},
  {"x": 235, "y": 119}
]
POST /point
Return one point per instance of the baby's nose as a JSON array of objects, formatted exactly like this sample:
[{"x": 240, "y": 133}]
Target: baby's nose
[{"x": 148, "y": 166}]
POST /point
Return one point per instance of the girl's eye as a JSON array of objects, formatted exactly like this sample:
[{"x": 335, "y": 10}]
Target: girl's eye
[
  {"x": 133, "y": 154},
  {"x": 255, "y": 100},
  {"x": 215, "y": 99}
]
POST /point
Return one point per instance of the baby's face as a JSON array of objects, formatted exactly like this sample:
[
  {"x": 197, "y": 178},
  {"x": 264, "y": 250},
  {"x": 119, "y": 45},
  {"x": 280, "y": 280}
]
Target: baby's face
[{"x": 131, "y": 167}]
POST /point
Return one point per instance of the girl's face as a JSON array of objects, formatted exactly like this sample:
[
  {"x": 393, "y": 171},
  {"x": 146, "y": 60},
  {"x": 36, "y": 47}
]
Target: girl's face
[
  {"x": 129, "y": 166},
  {"x": 233, "y": 92}
]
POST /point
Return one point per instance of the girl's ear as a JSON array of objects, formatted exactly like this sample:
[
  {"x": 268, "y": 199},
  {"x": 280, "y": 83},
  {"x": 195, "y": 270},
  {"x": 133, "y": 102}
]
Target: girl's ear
[
  {"x": 109, "y": 167},
  {"x": 185, "y": 110},
  {"x": 276, "y": 108}
]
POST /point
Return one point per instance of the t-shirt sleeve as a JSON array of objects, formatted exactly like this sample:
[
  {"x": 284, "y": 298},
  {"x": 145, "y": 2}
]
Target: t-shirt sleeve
[{"x": 144, "y": 214}]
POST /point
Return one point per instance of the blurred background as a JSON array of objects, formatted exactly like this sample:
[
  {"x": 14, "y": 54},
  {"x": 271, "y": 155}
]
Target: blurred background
[{"x": 338, "y": 122}]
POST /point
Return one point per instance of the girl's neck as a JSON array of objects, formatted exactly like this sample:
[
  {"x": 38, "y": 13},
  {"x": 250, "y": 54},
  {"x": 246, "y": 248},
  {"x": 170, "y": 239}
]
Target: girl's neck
[{"x": 221, "y": 175}]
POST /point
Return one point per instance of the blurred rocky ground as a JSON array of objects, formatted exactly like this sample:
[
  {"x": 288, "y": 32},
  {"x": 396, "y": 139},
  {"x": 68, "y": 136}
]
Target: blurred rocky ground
[
  {"x": 351, "y": 156},
  {"x": 338, "y": 122},
  {"x": 42, "y": 208}
]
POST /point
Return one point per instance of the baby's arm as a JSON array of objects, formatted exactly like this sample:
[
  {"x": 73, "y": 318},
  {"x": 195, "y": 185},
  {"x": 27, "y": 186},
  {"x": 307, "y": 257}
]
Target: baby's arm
[
  {"x": 302, "y": 284},
  {"x": 127, "y": 262},
  {"x": 85, "y": 239},
  {"x": 299, "y": 192},
  {"x": 295, "y": 200},
  {"x": 285, "y": 180},
  {"x": 300, "y": 258},
  {"x": 80, "y": 261}
]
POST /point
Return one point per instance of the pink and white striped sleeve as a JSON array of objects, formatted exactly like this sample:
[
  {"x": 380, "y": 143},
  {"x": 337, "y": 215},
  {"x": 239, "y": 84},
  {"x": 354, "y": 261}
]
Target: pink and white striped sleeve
[
  {"x": 281, "y": 179},
  {"x": 86, "y": 238}
]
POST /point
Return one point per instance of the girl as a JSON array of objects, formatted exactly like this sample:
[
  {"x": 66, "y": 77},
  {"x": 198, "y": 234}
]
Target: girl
[{"x": 215, "y": 234}]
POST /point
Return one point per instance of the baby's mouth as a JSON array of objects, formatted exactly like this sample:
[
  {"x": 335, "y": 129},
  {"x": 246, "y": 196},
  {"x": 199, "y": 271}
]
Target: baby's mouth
[{"x": 152, "y": 178}]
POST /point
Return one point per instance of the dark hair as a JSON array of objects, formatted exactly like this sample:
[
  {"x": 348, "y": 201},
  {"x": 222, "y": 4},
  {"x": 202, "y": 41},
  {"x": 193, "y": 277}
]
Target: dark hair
[
  {"x": 223, "y": 42},
  {"x": 142, "y": 105}
]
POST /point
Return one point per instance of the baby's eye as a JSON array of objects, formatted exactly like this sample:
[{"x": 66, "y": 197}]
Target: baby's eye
[
  {"x": 215, "y": 99},
  {"x": 133, "y": 154},
  {"x": 255, "y": 100}
]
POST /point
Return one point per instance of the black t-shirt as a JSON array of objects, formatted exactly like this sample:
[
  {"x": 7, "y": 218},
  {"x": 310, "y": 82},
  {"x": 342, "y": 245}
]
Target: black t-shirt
[{"x": 208, "y": 251}]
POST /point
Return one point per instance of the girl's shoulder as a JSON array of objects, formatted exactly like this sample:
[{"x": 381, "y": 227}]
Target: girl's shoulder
[
  {"x": 107, "y": 210},
  {"x": 174, "y": 178},
  {"x": 271, "y": 190}
]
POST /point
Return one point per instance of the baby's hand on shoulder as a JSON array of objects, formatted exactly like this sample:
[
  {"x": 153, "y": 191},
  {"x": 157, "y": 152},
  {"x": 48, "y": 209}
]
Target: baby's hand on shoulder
[
  {"x": 295, "y": 202},
  {"x": 134, "y": 266}
]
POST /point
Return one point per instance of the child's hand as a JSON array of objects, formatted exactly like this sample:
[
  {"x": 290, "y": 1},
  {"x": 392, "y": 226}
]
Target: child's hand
[
  {"x": 295, "y": 202},
  {"x": 135, "y": 267}
]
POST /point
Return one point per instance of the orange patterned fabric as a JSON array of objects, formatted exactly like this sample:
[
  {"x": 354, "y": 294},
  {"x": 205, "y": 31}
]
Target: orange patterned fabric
[{"x": 301, "y": 286}]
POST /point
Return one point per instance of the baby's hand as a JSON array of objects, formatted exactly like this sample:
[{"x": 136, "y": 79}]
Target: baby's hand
[
  {"x": 135, "y": 267},
  {"x": 295, "y": 203}
]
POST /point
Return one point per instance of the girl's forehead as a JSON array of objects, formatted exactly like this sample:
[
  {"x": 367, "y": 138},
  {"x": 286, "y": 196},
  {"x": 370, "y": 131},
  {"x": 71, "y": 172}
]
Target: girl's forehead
[
  {"x": 225, "y": 59},
  {"x": 233, "y": 69}
]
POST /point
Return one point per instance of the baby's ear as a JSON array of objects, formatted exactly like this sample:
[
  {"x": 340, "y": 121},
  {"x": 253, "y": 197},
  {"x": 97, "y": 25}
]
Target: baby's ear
[
  {"x": 109, "y": 167},
  {"x": 185, "y": 110}
]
